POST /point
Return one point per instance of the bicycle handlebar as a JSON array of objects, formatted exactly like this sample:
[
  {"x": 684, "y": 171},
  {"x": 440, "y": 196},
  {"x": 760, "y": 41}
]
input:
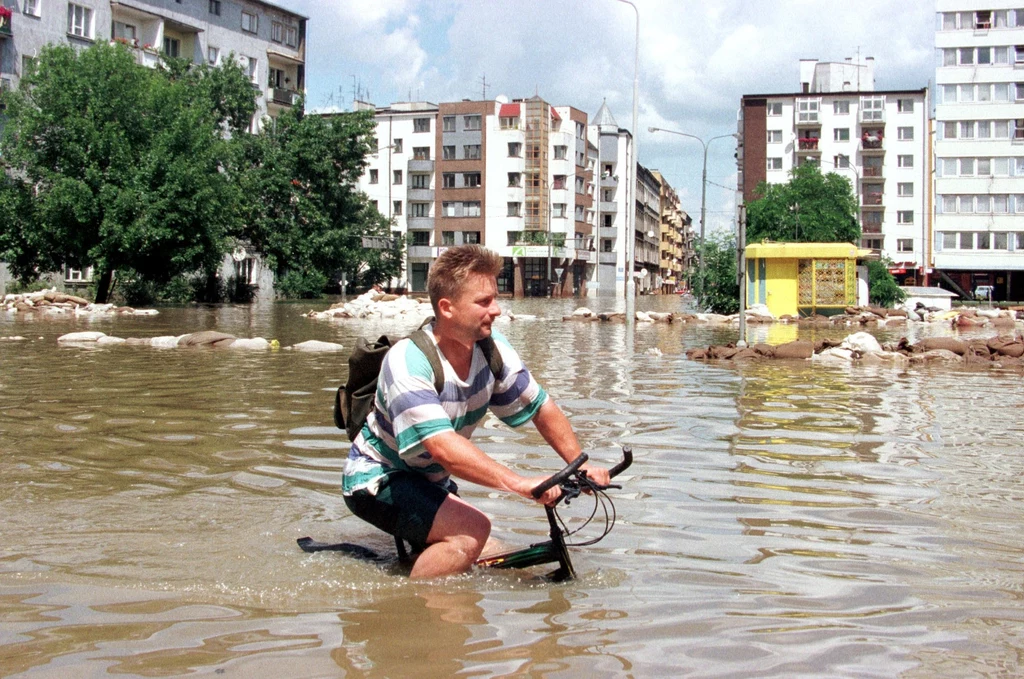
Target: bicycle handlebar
[
  {"x": 561, "y": 476},
  {"x": 571, "y": 468}
]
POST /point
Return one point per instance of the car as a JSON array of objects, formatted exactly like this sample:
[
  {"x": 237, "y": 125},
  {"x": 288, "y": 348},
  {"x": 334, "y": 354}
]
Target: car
[{"x": 984, "y": 292}]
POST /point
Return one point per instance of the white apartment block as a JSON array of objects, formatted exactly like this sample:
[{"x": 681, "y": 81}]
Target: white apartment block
[
  {"x": 511, "y": 175},
  {"x": 268, "y": 40},
  {"x": 879, "y": 140},
  {"x": 614, "y": 161},
  {"x": 979, "y": 147}
]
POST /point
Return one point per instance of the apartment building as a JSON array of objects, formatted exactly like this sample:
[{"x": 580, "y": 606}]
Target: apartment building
[
  {"x": 268, "y": 40},
  {"x": 614, "y": 165},
  {"x": 677, "y": 253},
  {"x": 509, "y": 174},
  {"x": 647, "y": 237},
  {"x": 879, "y": 140},
  {"x": 979, "y": 147}
]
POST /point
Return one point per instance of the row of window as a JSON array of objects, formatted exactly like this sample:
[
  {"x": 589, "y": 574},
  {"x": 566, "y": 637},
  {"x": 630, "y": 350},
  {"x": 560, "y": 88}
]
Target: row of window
[
  {"x": 979, "y": 167},
  {"x": 984, "y": 93},
  {"x": 840, "y": 134},
  {"x": 1000, "y": 55},
  {"x": 448, "y": 238},
  {"x": 979, "y": 240},
  {"x": 980, "y": 129},
  {"x": 80, "y": 24},
  {"x": 871, "y": 107},
  {"x": 985, "y": 203},
  {"x": 980, "y": 20},
  {"x": 902, "y": 161}
]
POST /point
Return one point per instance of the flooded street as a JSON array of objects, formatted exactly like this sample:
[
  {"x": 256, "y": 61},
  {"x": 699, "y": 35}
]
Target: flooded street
[{"x": 779, "y": 520}]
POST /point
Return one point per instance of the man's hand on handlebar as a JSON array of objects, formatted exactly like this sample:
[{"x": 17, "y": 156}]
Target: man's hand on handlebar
[
  {"x": 548, "y": 497},
  {"x": 599, "y": 475}
]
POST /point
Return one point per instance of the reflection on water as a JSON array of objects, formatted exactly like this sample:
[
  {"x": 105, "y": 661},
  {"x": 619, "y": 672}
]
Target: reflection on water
[{"x": 779, "y": 520}]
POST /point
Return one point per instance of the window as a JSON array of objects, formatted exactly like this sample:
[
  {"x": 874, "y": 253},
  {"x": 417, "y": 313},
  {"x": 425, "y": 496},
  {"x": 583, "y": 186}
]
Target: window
[
  {"x": 558, "y": 210},
  {"x": 984, "y": 167},
  {"x": 967, "y": 167},
  {"x": 125, "y": 33},
  {"x": 558, "y": 181},
  {"x": 515, "y": 209},
  {"x": 374, "y": 176},
  {"x": 949, "y": 240},
  {"x": 949, "y": 57},
  {"x": 79, "y": 21},
  {"x": 471, "y": 179},
  {"x": 421, "y": 125},
  {"x": 515, "y": 149},
  {"x": 420, "y": 238},
  {"x": 775, "y": 108},
  {"x": 419, "y": 181},
  {"x": 807, "y": 110},
  {"x": 448, "y": 180},
  {"x": 840, "y": 162},
  {"x": 509, "y": 122},
  {"x": 448, "y": 152},
  {"x": 949, "y": 94},
  {"x": 905, "y": 161},
  {"x": 291, "y": 36},
  {"x": 471, "y": 208},
  {"x": 250, "y": 22},
  {"x": 251, "y": 68},
  {"x": 872, "y": 108},
  {"x": 904, "y": 245},
  {"x": 966, "y": 204},
  {"x": 949, "y": 21},
  {"x": 396, "y": 146},
  {"x": 841, "y": 107},
  {"x": 966, "y": 94},
  {"x": 1018, "y": 129},
  {"x": 984, "y": 55},
  {"x": 580, "y": 185},
  {"x": 447, "y": 238},
  {"x": 904, "y": 105},
  {"x": 983, "y": 19},
  {"x": 421, "y": 153},
  {"x": 419, "y": 209},
  {"x": 448, "y": 124},
  {"x": 397, "y": 177},
  {"x": 515, "y": 179},
  {"x": 984, "y": 92},
  {"x": 397, "y": 207},
  {"x": 277, "y": 31},
  {"x": 984, "y": 129},
  {"x": 984, "y": 241},
  {"x": 1000, "y": 241},
  {"x": 983, "y": 204},
  {"x": 471, "y": 151},
  {"x": 966, "y": 240},
  {"x": 904, "y": 216},
  {"x": 774, "y": 136},
  {"x": 32, "y": 7},
  {"x": 172, "y": 47},
  {"x": 905, "y": 133},
  {"x": 448, "y": 208},
  {"x": 212, "y": 55},
  {"x": 775, "y": 163},
  {"x": 841, "y": 134},
  {"x": 471, "y": 238},
  {"x": 471, "y": 122},
  {"x": 905, "y": 189},
  {"x": 560, "y": 152},
  {"x": 966, "y": 56},
  {"x": 1000, "y": 204}
]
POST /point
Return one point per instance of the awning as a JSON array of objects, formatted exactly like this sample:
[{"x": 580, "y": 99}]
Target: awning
[
  {"x": 285, "y": 57},
  {"x": 508, "y": 111}
]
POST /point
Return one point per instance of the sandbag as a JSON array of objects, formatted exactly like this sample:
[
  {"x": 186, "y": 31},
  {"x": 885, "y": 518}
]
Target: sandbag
[
  {"x": 1005, "y": 345},
  {"x": 947, "y": 343},
  {"x": 795, "y": 349}
]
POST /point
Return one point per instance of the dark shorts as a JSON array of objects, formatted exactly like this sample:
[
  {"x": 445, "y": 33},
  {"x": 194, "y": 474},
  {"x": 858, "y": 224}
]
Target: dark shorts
[{"x": 405, "y": 506}]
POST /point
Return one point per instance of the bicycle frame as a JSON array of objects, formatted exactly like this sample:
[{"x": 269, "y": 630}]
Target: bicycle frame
[{"x": 538, "y": 554}]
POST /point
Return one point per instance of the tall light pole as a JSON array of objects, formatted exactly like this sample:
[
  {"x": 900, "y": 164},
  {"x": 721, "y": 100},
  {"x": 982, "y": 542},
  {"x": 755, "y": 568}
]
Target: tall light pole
[
  {"x": 703, "y": 197},
  {"x": 631, "y": 184}
]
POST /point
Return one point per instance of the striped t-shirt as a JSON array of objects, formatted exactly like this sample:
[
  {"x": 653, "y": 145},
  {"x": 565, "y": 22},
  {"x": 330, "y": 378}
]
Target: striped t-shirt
[{"x": 408, "y": 410}]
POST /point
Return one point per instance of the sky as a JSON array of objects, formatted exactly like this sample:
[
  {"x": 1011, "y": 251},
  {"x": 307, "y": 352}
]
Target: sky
[{"x": 697, "y": 58}]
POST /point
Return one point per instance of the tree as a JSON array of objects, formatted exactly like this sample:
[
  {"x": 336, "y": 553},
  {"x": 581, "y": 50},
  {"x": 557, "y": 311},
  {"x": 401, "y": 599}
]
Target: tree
[
  {"x": 882, "y": 286},
  {"x": 125, "y": 164},
  {"x": 810, "y": 208},
  {"x": 719, "y": 292},
  {"x": 303, "y": 211}
]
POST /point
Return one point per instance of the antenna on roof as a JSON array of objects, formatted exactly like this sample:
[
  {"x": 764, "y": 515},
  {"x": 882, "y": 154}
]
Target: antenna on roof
[{"x": 483, "y": 84}]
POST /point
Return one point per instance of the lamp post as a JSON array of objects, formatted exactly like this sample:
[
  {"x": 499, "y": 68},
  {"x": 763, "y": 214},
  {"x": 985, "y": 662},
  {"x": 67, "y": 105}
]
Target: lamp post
[
  {"x": 703, "y": 197},
  {"x": 631, "y": 190}
]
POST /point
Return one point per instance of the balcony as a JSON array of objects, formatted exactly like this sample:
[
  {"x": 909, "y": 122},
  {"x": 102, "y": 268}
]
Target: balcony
[
  {"x": 872, "y": 172},
  {"x": 421, "y": 165},
  {"x": 871, "y": 228},
  {"x": 420, "y": 251},
  {"x": 5, "y": 22},
  {"x": 606, "y": 257},
  {"x": 807, "y": 146},
  {"x": 608, "y": 232},
  {"x": 283, "y": 96},
  {"x": 872, "y": 200},
  {"x": 609, "y": 207},
  {"x": 871, "y": 141},
  {"x": 421, "y": 195},
  {"x": 419, "y": 223}
]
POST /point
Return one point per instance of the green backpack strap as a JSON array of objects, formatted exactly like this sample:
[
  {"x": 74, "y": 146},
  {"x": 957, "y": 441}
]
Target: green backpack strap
[
  {"x": 429, "y": 349},
  {"x": 494, "y": 360}
]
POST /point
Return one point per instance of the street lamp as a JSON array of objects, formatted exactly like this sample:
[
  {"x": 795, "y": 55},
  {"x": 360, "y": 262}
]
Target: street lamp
[
  {"x": 703, "y": 196},
  {"x": 631, "y": 190}
]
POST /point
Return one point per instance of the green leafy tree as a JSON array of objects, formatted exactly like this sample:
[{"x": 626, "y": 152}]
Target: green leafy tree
[
  {"x": 303, "y": 210},
  {"x": 811, "y": 208},
  {"x": 883, "y": 289},
  {"x": 125, "y": 164},
  {"x": 719, "y": 292}
]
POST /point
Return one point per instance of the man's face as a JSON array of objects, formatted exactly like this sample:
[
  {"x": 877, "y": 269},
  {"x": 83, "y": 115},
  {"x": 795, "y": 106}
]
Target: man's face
[{"x": 476, "y": 307}]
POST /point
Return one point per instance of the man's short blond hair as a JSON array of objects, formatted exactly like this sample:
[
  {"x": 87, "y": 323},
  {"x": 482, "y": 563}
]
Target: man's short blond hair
[{"x": 448, "y": 275}]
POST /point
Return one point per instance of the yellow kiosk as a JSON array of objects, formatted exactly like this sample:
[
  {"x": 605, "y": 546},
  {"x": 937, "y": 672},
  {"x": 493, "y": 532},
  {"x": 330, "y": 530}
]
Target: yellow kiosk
[{"x": 803, "y": 279}]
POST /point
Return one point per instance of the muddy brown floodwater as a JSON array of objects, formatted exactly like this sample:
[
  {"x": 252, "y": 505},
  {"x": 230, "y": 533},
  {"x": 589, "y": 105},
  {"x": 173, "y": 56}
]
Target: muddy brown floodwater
[{"x": 780, "y": 520}]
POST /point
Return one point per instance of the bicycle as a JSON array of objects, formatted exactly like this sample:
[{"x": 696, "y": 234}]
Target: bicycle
[{"x": 573, "y": 482}]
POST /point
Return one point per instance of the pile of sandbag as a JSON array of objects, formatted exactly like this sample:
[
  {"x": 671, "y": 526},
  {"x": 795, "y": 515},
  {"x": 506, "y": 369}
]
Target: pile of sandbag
[
  {"x": 58, "y": 303},
  {"x": 374, "y": 304}
]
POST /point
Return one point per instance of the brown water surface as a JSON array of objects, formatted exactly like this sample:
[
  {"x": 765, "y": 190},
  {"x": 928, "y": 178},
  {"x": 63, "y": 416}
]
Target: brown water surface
[{"x": 781, "y": 520}]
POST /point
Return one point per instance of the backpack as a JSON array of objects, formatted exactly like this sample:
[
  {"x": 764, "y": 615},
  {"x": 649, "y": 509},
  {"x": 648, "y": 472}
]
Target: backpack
[{"x": 354, "y": 399}]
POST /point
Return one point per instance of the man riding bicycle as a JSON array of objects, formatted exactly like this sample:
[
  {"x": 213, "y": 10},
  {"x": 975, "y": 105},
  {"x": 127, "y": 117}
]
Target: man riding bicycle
[{"x": 397, "y": 473}]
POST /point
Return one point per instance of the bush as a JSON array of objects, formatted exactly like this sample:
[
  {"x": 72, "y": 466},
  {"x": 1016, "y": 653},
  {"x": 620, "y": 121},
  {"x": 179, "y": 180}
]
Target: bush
[
  {"x": 307, "y": 284},
  {"x": 883, "y": 290},
  {"x": 720, "y": 290}
]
